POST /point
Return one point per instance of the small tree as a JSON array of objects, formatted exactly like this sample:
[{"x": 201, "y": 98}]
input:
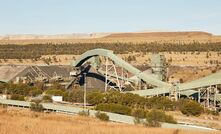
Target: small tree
[
  {"x": 95, "y": 98},
  {"x": 139, "y": 113},
  {"x": 47, "y": 98},
  {"x": 36, "y": 106},
  {"x": 84, "y": 113},
  {"x": 190, "y": 107},
  {"x": 115, "y": 108},
  {"x": 17, "y": 97},
  {"x": 102, "y": 116},
  {"x": 154, "y": 117}
]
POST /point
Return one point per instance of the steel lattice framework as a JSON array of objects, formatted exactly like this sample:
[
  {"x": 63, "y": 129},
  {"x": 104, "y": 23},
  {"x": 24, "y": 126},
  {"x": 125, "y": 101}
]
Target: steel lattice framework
[{"x": 159, "y": 87}]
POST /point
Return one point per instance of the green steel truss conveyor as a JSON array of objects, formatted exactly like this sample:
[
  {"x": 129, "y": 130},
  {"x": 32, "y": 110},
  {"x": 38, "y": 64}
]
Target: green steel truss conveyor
[
  {"x": 160, "y": 86},
  {"x": 121, "y": 63}
]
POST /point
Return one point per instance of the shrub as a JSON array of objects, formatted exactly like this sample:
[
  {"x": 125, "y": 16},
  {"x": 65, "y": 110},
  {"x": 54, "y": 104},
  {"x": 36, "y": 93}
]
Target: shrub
[
  {"x": 47, "y": 98},
  {"x": 84, "y": 113},
  {"x": 169, "y": 119},
  {"x": 162, "y": 103},
  {"x": 17, "y": 97},
  {"x": 115, "y": 108},
  {"x": 139, "y": 113},
  {"x": 137, "y": 120},
  {"x": 190, "y": 107},
  {"x": 36, "y": 106},
  {"x": 212, "y": 112},
  {"x": 154, "y": 117},
  {"x": 2, "y": 87},
  {"x": 216, "y": 113},
  {"x": 3, "y": 105},
  {"x": 76, "y": 95},
  {"x": 35, "y": 92},
  {"x": 19, "y": 89},
  {"x": 56, "y": 92},
  {"x": 102, "y": 116},
  {"x": 95, "y": 98},
  {"x": 130, "y": 100}
]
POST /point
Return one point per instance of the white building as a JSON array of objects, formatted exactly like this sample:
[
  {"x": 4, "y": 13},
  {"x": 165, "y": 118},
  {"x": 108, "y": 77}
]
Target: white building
[{"x": 57, "y": 98}]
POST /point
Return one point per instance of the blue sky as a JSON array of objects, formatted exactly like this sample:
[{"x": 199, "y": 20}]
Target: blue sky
[{"x": 86, "y": 16}]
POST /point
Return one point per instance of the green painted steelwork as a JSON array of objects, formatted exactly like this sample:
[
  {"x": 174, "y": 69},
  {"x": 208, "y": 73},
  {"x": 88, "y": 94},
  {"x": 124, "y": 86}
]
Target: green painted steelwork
[
  {"x": 186, "y": 88},
  {"x": 213, "y": 79},
  {"x": 161, "y": 87},
  {"x": 120, "y": 62}
]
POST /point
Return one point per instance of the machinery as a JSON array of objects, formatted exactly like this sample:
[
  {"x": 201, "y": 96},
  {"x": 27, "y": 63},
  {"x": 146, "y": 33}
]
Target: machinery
[
  {"x": 110, "y": 72},
  {"x": 116, "y": 73}
]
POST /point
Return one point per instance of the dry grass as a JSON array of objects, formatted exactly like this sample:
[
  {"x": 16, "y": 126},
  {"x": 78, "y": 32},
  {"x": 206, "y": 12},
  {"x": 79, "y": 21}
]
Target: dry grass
[
  {"x": 205, "y": 120},
  {"x": 25, "y": 122},
  {"x": 178, "y": 59}
]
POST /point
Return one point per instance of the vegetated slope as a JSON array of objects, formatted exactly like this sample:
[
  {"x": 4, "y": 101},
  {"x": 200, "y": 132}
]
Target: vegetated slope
[
  {"x": 33, "y": 51},
  {"x": 138, "y": 37},
  {"x": 26, "y": 122}
]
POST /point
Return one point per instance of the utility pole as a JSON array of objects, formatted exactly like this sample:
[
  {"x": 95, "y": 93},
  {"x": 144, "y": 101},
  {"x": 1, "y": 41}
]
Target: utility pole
[
  {"x": 85, "y": 90},
  {"x": 106, "y": 70},
  {"x": 199, "y": 95}
]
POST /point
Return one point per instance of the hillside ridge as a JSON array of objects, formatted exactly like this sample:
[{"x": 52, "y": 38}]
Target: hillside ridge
[{"x": 105, "y": 35}]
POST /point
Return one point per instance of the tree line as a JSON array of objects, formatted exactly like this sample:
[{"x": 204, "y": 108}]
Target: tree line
[
  {"x": 35, "y": 51},
  {"x": 112, "y": 101}
]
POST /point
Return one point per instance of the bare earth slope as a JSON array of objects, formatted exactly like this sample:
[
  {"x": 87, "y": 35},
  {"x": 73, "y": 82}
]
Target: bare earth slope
[{"x": 160, "y": 34}]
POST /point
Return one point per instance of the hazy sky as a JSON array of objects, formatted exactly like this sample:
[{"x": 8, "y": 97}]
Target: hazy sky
[{"x": 86, "y": 16}]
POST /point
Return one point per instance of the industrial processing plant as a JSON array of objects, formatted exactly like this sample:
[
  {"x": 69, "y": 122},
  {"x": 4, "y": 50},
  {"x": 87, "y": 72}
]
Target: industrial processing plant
[
  {"x": 102, "y": 69},
  {"x": 110, "y": 67}
]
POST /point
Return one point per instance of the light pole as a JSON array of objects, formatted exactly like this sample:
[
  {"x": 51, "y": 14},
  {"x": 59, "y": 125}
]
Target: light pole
[{"x": 85, "y": 91}]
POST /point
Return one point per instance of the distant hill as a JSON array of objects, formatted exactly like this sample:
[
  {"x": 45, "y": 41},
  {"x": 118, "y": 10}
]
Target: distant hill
[
  {"x": 59, "y": 36},
  {"x": 160, "y": 34},
  {"x": 135, "y": 37}
]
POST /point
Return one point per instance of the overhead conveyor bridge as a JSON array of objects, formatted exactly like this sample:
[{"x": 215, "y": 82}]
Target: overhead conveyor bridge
[
  {"x": 120, "y": 62},
  {"x": 185, "y": 88},
  {"x": 157, "y": 87}
]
